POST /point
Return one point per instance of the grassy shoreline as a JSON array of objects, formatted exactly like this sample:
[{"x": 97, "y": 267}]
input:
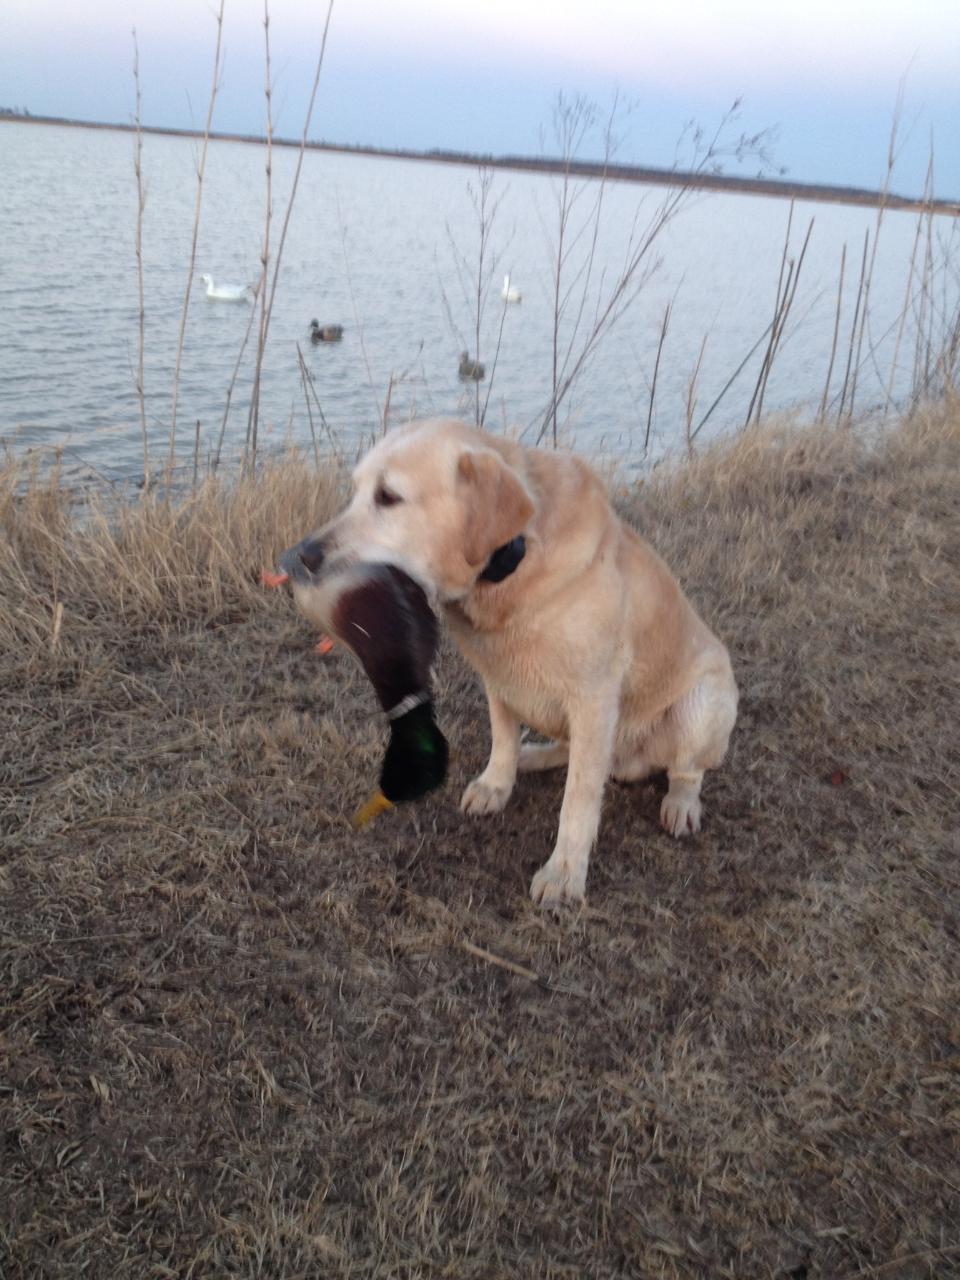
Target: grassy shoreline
[
  {"x": 777, "y": 188},
  {"x": 238, "y": 1039}
]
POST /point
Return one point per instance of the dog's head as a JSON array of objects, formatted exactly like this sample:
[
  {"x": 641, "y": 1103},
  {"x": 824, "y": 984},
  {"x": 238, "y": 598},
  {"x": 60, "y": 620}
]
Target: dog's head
[{"x": 432, "y": 498}]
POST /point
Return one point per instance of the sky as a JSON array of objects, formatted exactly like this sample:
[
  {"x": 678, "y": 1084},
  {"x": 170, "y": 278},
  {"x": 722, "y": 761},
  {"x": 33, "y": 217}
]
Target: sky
[{"x": 482, "y": 76}]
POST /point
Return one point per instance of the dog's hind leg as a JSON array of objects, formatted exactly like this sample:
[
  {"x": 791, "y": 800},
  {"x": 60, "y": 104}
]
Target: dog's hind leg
[
  {"x": 538, "y": 756},
  {"x": 692, "y": 737},
  {"x": 633, "y": 765}
]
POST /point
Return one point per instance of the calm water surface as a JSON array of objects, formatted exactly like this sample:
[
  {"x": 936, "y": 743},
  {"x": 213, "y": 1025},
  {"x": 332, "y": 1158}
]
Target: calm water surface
[{"x": 370, "y": 247}]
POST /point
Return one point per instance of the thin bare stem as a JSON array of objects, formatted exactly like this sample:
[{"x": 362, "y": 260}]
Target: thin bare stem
[
  {"x": 868, "y": 274},
  {"x": 904, "y": 312},
  {"x": 387, "y": 400},
  {"x": 393, "y": 382},
  {"x": 253, "y": 417},
  {"x": 266, "y": 316},
  {"x": 233, "y": 381},
  {"x": 141, "y": 314},
  {"x": 306, "y": 397},
  {"x": 656, "y": 369},
  {"x": 836, "y": 334},
  {"x": 614, "y": 298},
  {"x": 692, "y": 393},
  {"x": 461, "y": 342},
  {"x": 783, "y": 256},
  {"x": 853, "y": 328},
  {"x": 731, "y": 380},
  {"x": 475, "y": 280},
  {"x": 485, "y": 179},
  {"x": 479, "y": 290},
  {"x": 196, "y": 457},
  {"x": 582, "y": 279},
  {"x": 777, "y": 305},
  {"x": 790, "y": 292},
  {"x": 310, "y": 384},
  {"x": 926, "y": 320},
  {"x": 201, "y": 166},
  {"x": 493, "y": 365}
]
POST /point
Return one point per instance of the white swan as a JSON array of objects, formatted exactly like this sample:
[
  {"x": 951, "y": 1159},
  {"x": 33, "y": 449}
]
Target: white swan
[
  {"x": 225, "y": 292},
  {"x": 509, "y": 293}
]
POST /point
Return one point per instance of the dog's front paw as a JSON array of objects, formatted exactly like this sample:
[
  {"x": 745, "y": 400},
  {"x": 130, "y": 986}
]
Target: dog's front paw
[
  {"x": 558, "y": 882},
  {"x": 484, "y": 797}
]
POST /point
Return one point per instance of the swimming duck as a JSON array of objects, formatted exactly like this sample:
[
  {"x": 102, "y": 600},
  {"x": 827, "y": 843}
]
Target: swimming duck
[
  {"x": 471, "y": 369},
  {"x": 225, "y": 292},
  {"x": 325, "y": 332},
  {"x": 509, "y": 292}
]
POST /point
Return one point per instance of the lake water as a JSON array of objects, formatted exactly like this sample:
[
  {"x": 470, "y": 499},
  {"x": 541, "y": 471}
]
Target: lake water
[{"x": 371, "y": 246}]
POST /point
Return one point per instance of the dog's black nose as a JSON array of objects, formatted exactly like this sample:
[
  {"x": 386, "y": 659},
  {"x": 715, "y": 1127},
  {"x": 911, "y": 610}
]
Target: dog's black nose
[{"x": 311, "y": 552}]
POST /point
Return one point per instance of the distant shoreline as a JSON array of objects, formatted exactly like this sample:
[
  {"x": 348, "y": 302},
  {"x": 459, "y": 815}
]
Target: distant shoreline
[{"x": 775, "y": 187}]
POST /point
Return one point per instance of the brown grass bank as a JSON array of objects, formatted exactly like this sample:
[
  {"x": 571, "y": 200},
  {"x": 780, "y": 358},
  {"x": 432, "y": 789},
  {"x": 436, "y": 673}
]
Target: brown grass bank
[{"x": 237, "y": 1039}]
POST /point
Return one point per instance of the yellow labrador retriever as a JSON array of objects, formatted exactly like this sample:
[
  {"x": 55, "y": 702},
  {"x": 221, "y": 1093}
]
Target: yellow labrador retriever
[{"x": 576, "y": 626}]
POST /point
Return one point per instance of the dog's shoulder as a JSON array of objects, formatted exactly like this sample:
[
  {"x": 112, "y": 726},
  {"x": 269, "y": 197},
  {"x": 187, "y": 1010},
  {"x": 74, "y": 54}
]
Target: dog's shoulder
[{"x": 570, "y": 500}]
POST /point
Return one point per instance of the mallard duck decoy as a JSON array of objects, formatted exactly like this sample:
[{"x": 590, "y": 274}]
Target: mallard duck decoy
[
  {"x": 226, "y": 292},
  {"x": 384, "y": 617},
  {"x": 325, "y": 332},
  {"x": 471, "y": 369}
]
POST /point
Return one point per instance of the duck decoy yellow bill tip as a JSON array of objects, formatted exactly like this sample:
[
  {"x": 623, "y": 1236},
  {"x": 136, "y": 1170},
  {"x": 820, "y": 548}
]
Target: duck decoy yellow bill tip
[{"x": 377, "y": 804}]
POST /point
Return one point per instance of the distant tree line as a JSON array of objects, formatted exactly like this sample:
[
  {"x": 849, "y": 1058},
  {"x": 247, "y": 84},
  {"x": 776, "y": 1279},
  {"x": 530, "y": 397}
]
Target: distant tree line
[{"x": 604, "y": 170}]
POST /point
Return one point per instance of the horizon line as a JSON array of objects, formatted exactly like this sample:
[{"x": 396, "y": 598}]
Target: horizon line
[{"x": 650, "y": 175}]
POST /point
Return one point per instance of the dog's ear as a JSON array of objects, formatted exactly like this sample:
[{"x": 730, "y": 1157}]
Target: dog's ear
[{"x": 496, "y": 503}]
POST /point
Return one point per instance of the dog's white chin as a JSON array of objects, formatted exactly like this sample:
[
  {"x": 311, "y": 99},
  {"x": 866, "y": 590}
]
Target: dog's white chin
[
  {"x": 443, "y": 597},
  {"x": 316, "y": 601}
]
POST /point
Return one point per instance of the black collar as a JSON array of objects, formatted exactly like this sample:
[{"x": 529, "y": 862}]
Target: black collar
[{"x": 505, "y": 560}]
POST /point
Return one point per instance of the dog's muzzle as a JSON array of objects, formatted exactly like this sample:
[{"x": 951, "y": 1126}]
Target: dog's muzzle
[{"x": 304, "y": 561}]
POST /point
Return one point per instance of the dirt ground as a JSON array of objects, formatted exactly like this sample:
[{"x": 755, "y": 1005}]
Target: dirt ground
[{"x": 239, "y": 1040}]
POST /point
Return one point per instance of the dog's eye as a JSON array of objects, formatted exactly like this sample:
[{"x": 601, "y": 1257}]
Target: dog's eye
[{"x": 385, "y": 497}]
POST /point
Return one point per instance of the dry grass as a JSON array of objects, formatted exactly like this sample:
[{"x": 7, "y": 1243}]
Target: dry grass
[{"x": 237, "y": 1039}]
